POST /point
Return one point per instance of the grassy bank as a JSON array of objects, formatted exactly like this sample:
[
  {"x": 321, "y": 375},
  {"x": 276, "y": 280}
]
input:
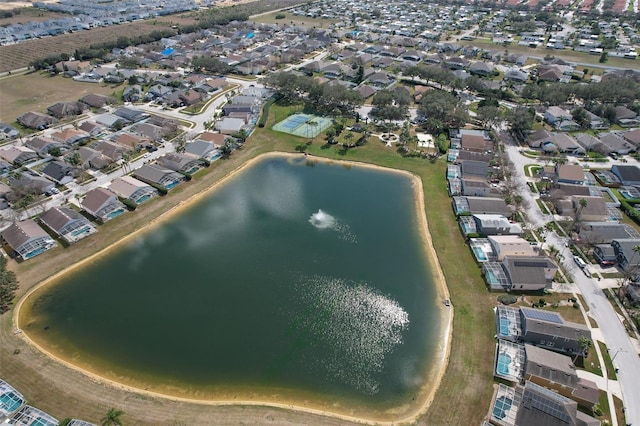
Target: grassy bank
[{"x": 465, "y": 392}]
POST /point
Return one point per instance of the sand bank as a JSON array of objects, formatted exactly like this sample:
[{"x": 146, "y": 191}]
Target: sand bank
[{"x": 423, "y": 399}]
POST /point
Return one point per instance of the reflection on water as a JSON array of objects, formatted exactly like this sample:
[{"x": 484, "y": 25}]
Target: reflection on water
[{"x": 353, "y": 325}]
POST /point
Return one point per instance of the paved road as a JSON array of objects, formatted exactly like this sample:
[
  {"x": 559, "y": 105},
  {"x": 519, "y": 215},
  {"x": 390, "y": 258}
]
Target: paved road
[{"x": 619, "y": 343}]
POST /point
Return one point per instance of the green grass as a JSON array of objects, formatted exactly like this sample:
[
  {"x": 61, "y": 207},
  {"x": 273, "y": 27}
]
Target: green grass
[
  {"x": 611, "y": 371},
  {"x": 467, "y": 382},
  {"x": 542, "y": 206},
  {"x": 532, "y": 169}
]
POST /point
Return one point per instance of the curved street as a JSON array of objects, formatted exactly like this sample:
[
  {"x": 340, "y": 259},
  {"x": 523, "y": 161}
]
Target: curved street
[{"x": 622, "y": 348}]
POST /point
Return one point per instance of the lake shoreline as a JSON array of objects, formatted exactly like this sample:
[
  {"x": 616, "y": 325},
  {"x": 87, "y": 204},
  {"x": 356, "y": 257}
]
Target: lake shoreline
[{"x": 435, "y": 373}]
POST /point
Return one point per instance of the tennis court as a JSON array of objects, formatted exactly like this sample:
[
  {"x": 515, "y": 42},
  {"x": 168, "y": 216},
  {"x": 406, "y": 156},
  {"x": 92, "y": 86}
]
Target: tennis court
[{"x": 303, "y": 125}]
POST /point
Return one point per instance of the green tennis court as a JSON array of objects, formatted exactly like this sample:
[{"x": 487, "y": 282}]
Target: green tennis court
[{"x": 303, "y": 125}]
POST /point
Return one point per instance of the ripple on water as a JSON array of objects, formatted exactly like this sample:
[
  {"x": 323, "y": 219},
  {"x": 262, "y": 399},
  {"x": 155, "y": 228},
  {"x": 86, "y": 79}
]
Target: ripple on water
[
  {"x": 354, "y": 325},
  {"x": 323, "y": 220}
]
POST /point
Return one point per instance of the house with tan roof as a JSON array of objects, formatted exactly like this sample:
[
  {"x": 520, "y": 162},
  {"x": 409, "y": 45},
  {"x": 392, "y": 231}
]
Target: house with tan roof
[
  {"x": 43, "y": 145},
  {"x": 18, "y": 155},
  {"x": 132, "y": 142},
  {"x": 102, "y": 204},
  {"x": 132, "y": 189},
  {"x": 27, "y": 239},
  {"x": 70, "y": 136},
  {"x": 67, "y": 224}
]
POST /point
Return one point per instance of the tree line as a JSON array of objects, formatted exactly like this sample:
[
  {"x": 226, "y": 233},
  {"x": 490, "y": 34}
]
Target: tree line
[{"x": 324, "y": 98}]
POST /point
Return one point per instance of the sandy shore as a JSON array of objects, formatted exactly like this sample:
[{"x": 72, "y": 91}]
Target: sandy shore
[{"x": 435, "y": 374}]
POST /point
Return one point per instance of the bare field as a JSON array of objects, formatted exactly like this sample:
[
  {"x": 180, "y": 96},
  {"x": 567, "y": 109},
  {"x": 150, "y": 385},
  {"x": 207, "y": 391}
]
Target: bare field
[
  {"x": 37, "y": 91},
  {"x": 27, "y": 14},
  {"x": 19, "y": 55}
]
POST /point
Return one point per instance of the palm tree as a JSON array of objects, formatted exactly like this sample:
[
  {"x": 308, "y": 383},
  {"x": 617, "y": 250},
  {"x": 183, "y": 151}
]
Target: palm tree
[
  {"x": 112, "y": 418},
  {"x": 585, "y": 344}
]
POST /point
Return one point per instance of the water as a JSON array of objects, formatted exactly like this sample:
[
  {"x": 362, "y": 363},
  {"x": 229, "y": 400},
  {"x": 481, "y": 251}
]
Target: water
[
  {"x": 294, "y": 281},
  {"x": 504, "y": 360}
]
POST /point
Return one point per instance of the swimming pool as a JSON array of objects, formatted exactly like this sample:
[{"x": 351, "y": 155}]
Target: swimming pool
[
  {"x": 504, "y": 326},
  {"x": 10, "y": 402},
  {"x": 503, "y": 363},
  {"x": 480, "y": 255},
  {"x": 502, "y": 405}
]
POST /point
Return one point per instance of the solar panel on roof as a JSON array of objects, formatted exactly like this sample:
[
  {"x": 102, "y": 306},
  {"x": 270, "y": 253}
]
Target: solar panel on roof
[
  {"x": 549, "y": 403},
  {"x": 542, "y": 316}
]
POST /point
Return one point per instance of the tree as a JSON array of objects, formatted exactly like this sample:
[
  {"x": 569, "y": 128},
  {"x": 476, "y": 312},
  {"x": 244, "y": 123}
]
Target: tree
[
  {"x": 603, "y": 57},
  {"x": 520, "y": 119},
  {"x": 112, "y": 417},
  {"x": 348, "y": 138},
  {"x": 585, "y": 344},
  {"x": 227, "y": 147},
  {"x": 8, "y": 286},
  {"x": 580, "y": 116}
]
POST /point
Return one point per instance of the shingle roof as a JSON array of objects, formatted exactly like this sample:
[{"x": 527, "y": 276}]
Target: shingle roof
[{"x": 20, "y": 232}]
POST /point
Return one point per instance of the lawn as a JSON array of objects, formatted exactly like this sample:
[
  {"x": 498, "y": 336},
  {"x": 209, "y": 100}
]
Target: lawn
[
  {"x": 290, "y": 19},
  {"x": 38, "y": 90},
  {"x": 568, "y": 55}
]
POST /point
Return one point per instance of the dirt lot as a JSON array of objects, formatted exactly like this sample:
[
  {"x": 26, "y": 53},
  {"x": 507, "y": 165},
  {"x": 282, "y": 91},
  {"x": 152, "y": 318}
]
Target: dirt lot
[
  {"x": 37, "y": 91},
  {"x": 19, "y": 55}
]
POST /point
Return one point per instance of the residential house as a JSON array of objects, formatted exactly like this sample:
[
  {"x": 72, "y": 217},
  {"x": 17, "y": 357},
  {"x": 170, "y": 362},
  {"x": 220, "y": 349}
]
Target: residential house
[
  {"x": 515, "y": 74},
  {"x": 534, "y": 405},
  {"x": 92, "y": 128},
  {"x": 110, "y": 121},
  {"x": 474, "y": 169},
  {"x": 180, "y": 162},
  {"x": 66, "y": 109},
  {"x": 475, "y": 188},
  {"x": 556, "y": 372},
  {"x": 615, "y": 143},
  {"x": 202, "y": 149},
  {"x": 59, "y": 172},
  {"x": 626, "y": 117},
  {"x": 529, "y": 273},
  {"x": 70, "y": 137},
  {"x": 91, "y": 158},
  {"x": 495, "y": 224},
  {"x": 594, "y": 210},
  {"x": 96, "y": 101},
  {"x": 149, "y": 131},
  {"x": 102, "y": 204},
  {"x": 632, "y": 136},
  {"x": 156, "y": 175},
  {"x": 510, "y": 245},
  {"x": 36, "y": 120},
  {"x": 132, "y": 189},
  {"x": 230, "y": 126},
  {"x": 44, "y": 145},
  {"x": 18, "y": 155},
  {"x": 542, "y": 328},
  {"x": 605, "y": 232},
  {"x": 595, "y": 122},
  {"x": 554, "y": 115},
  {"x": 216, "y": 139},
  {"x": 628, "y": 175},
  {"x": 27, "y": 239},
  {"x": 484, "y": 205},
  {"x": 8, "y": 132},
  {"x": 131, "y": 142},
  {"x": 109, "y": 149},
  {"x": 29, "y": 182},
  {"x": 570, "y": 173},
  {"x": 130, "y": 114},
  {"x": 481, "y": 68},
  {"x": 68, "y": 224},
  {"x": 627, "y": 257}
]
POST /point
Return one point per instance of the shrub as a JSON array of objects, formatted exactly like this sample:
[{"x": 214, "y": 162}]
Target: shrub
[
  {"x": 542, "y": 302},
  {"x": 573, "y": 300},
  {"x": 280, "y": 16},
  {"x": 576, "y": 305},
  {"x": 131, "y": 206},
  {"x": 507, "y": 299}
]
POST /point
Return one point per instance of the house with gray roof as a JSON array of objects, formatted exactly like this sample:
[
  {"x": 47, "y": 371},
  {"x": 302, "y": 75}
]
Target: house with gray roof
[
  {"x": 495, "y": 224},
  {"x": 31, "y": 183},
  {"x": 67, "y": 224},
  {"x": 36, "y": 120},
  {"x": 43, "y": 145},
  {"x": 59, "y": 172},
  {"x": 157, "y": 175},
  {"x": 615, "y": 143},
  {"x": 132, "y": 189},
  {"x": 66, "y": 109},
  {"x": 27, "y": 239},
  {"x": 529, "y": 273},
  {"x": 533, "y": 405},
  {"x": 628, "y": 175},
  {"x": 102, "y": 204},
  {"x": 180, "y": 162},
  {"x": 554, "y": 115},
  {"x": 202, "y": 149},
  {"x": 130, "y": 114},
  {"x": 111, "y": 150},
  {"x": 628, "y": 259},
  {"x": 557, "y": 372},
  {"x": 481, "y": 205}
]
